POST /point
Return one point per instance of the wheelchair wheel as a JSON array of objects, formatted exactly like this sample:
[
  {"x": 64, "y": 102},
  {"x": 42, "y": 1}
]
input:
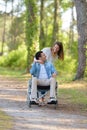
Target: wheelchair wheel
[
  {"x": 28, "y": 95},
  {"x": 28, "y": 100},
  {"x": 56, "y": 105}
]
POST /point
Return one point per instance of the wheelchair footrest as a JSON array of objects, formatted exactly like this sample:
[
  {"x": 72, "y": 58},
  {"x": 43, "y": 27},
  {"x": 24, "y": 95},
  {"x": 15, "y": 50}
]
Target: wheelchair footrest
[{"x": 52, "y": 102}]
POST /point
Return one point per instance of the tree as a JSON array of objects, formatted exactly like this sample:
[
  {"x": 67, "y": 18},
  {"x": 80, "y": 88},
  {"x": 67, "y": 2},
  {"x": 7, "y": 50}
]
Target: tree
[
  {"x": 42, "y": 35},
  {"x": 12, "y": 2},
  {"x": 16, "y": 33},
  {"x": 71, "y": 34},
  {"x": 81, "y": 9},
  {"x": 55, "y": 24},
  {"x": 31, "y": 29},
  {"x": 4, "y": 27}
]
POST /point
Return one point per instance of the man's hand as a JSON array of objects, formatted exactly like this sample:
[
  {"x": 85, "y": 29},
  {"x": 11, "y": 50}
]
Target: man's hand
[{"x": 54, "y": 75}]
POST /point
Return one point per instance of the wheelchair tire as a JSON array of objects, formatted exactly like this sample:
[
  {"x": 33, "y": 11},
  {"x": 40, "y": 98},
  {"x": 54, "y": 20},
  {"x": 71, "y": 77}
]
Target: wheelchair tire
[
  {"x": 28, "y": 97},
  {"x": 28, "y": 101},
  {"x": 56, "y": 105}
]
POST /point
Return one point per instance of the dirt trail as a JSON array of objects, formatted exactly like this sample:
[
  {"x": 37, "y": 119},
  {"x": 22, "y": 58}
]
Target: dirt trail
[{"x": 13, "y": 101}]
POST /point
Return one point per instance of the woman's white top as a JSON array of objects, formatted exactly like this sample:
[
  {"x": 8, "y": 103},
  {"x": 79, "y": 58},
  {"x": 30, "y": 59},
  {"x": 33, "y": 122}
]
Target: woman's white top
[{"x": 48, "y": 54}]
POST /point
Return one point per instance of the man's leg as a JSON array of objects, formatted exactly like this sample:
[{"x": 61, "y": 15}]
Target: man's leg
[
  {"x": 52, "y": 91},
  {"x": 51, "y": 82},
  {"x": 52, "y": 87}
]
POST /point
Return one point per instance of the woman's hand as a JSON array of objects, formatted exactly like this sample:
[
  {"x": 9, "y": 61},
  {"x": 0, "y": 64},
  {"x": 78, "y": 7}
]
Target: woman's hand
[{"x": 38, "y": 61}]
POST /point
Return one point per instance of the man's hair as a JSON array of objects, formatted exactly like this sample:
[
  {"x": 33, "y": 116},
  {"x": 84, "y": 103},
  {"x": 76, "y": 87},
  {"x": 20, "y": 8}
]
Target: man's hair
[{"x": 38, "y": 54}]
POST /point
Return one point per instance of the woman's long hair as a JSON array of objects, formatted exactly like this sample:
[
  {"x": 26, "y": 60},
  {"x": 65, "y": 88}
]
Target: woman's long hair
[{"x": 60, "y": 53}]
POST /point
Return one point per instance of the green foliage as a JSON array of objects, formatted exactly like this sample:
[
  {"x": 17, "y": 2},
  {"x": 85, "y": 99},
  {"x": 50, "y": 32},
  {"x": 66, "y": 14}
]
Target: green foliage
[
  {"x": 31, "y": 21},
  {"x": 31, "y": 28},
  {"x": 66, "y": 4},
  {"x": 68, "y": 65},
  {"x": 16, "y": 33},
  {"x": 15, "y": 59},
  {"x": 31, "y": 18}
]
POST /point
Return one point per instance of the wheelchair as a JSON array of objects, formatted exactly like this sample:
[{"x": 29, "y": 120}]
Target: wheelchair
[{"x": 42, "y": 95}]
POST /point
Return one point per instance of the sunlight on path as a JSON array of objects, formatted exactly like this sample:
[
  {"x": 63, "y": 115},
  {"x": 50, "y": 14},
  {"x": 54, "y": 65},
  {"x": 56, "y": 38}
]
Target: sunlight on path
[{"x": 38, "y": 118}]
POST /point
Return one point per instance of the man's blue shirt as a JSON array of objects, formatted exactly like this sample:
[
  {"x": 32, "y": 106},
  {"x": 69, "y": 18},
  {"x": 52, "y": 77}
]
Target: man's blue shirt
[{"x": 35, "y": 69}]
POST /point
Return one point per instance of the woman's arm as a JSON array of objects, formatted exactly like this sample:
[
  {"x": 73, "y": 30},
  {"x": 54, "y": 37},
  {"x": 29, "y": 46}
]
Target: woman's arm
[{"x": 38, "y": 61}]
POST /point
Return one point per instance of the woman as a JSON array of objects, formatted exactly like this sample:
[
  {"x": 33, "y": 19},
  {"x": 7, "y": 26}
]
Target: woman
[{"x": 53, "y": 53}]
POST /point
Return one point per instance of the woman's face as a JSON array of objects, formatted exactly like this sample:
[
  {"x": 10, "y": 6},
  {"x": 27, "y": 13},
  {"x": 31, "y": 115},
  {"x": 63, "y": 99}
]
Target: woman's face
[{"x": 56, "y": 48}]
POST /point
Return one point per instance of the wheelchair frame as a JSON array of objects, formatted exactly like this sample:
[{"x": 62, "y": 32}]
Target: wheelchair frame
[{"x": 41, "y": 93}]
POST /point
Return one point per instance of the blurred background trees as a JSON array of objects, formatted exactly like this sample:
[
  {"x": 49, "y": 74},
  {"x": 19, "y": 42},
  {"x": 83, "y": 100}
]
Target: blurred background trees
[{"x": 29, "y": 25}]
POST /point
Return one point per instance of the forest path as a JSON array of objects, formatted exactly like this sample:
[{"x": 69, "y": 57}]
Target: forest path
[{"x": 13, "y": 101}]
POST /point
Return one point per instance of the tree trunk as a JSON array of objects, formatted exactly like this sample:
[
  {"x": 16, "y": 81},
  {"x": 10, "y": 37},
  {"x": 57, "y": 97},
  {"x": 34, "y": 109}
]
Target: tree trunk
[
  {"x": 55, "y": 24},
  {"x": 4, "y": 28},
  {"x": 42, "y": 36},
  {"x": 71, "y": 29},
  {"x": 12, "y": 11},
  {"x": 31, "y": 29},
  {"x": 81, "y": 9},
  {"x": 72, "y": 26}
]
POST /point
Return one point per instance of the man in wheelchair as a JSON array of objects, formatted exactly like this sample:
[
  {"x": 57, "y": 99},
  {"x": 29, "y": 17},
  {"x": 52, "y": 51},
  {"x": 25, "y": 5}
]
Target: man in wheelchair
[{"x": 43, "y": 74}]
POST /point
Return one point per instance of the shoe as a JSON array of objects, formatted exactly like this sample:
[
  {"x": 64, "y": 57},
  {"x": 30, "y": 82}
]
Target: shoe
[
  {"x": 52, "y": 101},
  {"x": 34, "y": 102}
]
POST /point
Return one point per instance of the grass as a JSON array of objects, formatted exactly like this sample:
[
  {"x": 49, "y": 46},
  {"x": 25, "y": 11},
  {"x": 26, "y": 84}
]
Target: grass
[
  {"x": 74, "y": 94},
  {"x": 20, "y": 74},
  {"x": 5, "y": 121},
  {"x": 10, "y": 72}
]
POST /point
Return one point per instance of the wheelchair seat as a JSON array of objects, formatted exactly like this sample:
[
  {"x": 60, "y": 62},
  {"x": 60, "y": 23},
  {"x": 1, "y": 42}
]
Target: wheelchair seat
[
  {"x": 39, "y": 87},
  {"x": 43, "y": 89}
]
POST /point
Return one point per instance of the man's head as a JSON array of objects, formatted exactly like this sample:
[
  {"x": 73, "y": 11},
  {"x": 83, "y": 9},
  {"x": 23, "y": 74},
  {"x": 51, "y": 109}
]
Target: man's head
[
  {"x": 58, "y": 49},
  {"x": 40, "y": 56}
]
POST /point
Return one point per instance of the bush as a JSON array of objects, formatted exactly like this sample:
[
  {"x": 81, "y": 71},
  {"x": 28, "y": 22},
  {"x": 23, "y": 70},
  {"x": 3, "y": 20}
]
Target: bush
[
  {"x": 15, "y": 59},
  {"x": 66, "y": 66}
]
